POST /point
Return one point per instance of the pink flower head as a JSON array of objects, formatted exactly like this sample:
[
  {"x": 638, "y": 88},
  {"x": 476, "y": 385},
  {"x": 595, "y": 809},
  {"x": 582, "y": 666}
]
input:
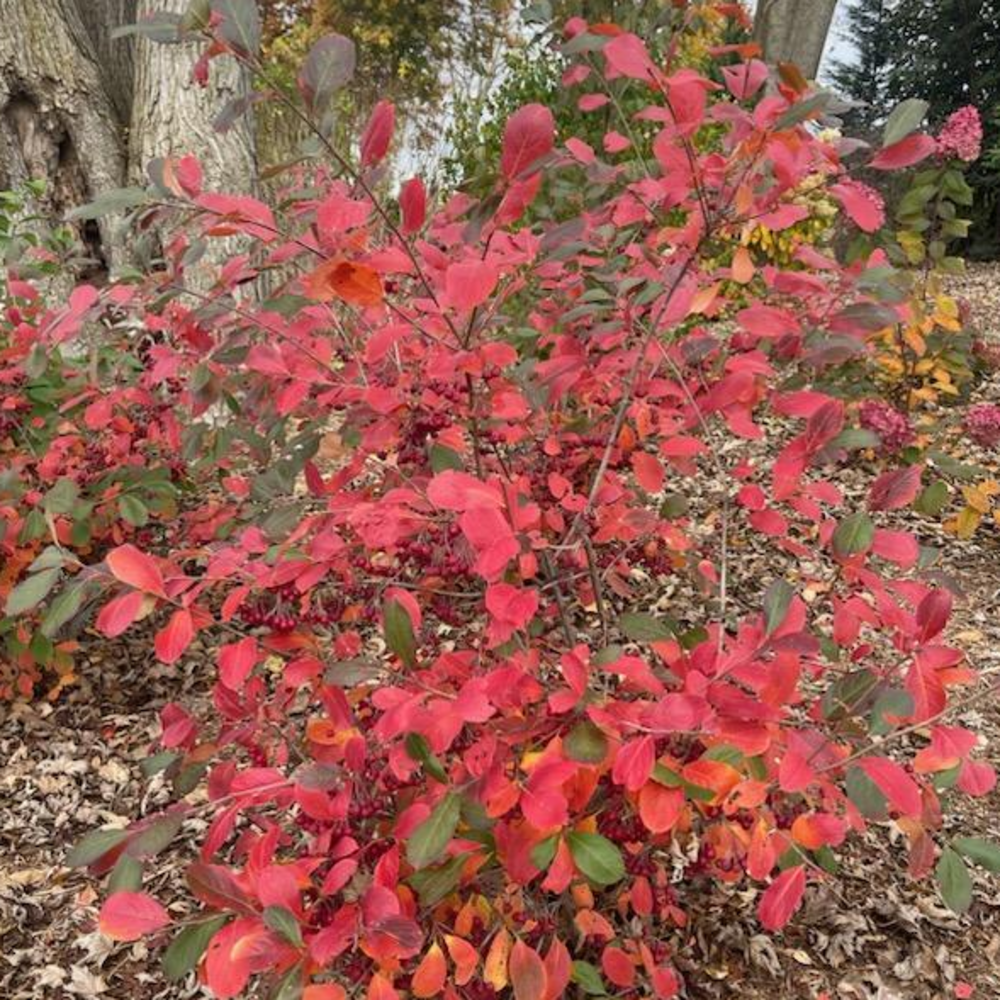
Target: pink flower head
[
  {"x": 892, "y": 427},
  {"x": 982, "y": 423},
  {"x": 961, "y": 136}
]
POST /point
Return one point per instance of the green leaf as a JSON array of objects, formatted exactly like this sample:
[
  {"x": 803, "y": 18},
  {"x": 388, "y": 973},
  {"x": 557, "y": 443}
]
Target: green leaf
[
  {"x": 981, "y": 852},
  {"x": 904, "y": 119},
  {"x": 671, "y": 779},
  {"x": 61, "y": 498},
  {"x": 586, "y": 743},
  {"x": 428, "y": 842},
  {"x": 596, "y": 857},
  {"x": 544, "y": 851},
  {"x": 94, "y": 846},
  {"x": 66, "y": 604},
  {"x": 399, "y": 632},
  {"x": 186, "y": 949},
  {"x": 588, "y": 978},
  {"x": 161, "y": 27},
  {"x": 892, "y": 702},
  {"x": 282, "y": 921},
  {"x": 933, "y": 498},
  {"x": 443, "y": 458},
  {"x": 854, "y": 535},
  {"x": 31, "y": 592},
  {"x": 109, "y": 203},
  {"x": 776, "y": 603},
  {"x": 419, "y": 750},
  {"x": 133, "y": 511},
  {"x": 434, "y": 884},
  {"x": 126, "y": 876},
  {"x": 725, "y": 753},
  {"x": 848, "y": 695},
  {"x": 854, "y": 438},
  {"x": 954, "y": 881},
  {"x": 241, "y": 24},
  {"x": 156, "y": 837},
  {"x": 644, "y": 628},
  {"x": 865, "y": 794}
]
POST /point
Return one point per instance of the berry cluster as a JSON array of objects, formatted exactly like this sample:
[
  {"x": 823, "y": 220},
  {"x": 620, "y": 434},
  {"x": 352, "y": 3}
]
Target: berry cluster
[
  {"x": 892, "y": 427},
  {"x": 982, "y": 424},
  {"x": 422, "y": 426}
]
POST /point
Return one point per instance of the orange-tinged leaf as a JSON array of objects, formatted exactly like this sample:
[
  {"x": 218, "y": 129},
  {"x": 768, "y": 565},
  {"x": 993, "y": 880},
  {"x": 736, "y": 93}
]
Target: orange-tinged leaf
[
  {"x": 324, "y": 991},
  {"x": 465, "y": 957},
  {"x": 380, "y": 988},
  {"x": 618, "y": 967},
  {"x": 495, "y": 968},
  {"x": 660, "y": 807},
  {"x": 558, "y": 968},
  {"x": 431, "y": 973},
  {"x": 527, "y": 973},
  {"x": 743, "y": 268},
  {"x": 130, "y": 566},
  {"x": 127, "y": 916},
  {"x": 357, "y": 284}
]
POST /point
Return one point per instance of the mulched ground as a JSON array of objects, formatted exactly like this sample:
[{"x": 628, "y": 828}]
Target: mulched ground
[{"x": 871, "y": 934}]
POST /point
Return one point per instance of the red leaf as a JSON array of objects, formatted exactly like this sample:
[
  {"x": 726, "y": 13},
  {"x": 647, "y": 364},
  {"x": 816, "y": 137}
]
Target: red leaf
[
  {"x": 117, "y": 615},
  {"x": 528, "y": 136},
  {"x": 618, "y": 967},
  {"x": 626, "y": 55},
  {"x": 136, "y": 569},
  {"x": 899, "y": 547},
  {"x": 469, "y": 285},
  {"x": 558, "y": 969},
  {"x": 894, "y": 783},
  {"x": 895, "y": 489},
  {"x": 933, "y": 613},
  {"x": 904, "y": 153},
  {"x": 861, "y": 206},
  {"x": 174, "y": 637},
  {"x": 378, "y": 134},
  {"x": 413, "y": 205},
  {"x": 527, "y": 973},
  {"x": 648, "y": 471},
  {"x": 236, "y": 661},
  {"x": 744, "y": 80},
  {"x": 782, "y": 898},
  {"x": 127, "y": 916},
  {"x": 634, "y": 763}
]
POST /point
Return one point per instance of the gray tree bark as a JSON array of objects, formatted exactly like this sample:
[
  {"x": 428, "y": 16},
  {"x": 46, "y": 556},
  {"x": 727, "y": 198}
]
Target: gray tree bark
[
  {"x": 85, "y": 112},
  {"x": 794, "y": 31},
  {"x": 57, "y": 120}
]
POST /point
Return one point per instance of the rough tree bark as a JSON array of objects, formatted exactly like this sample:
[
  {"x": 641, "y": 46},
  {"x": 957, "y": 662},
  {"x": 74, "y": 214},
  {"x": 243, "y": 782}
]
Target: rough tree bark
[
  {"x": 85, "y": 112},
  {"x": 794, "y": 31},
  {"x": 57, "y": 121}
]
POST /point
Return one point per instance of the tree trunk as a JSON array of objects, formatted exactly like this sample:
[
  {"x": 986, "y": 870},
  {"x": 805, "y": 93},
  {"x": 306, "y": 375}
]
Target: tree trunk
[
  {"x": 173, "y": 116},
  {"x": 57, "y": 120},
  {"x": 794, "y": 31}
]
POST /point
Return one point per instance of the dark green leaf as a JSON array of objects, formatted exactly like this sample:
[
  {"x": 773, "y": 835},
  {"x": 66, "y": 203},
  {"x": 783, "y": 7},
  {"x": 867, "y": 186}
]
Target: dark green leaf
[
  {"x": 893, "y": 702},
  {"x": 853, "y": 535},
  {"x": 933, "y": 499},
  {"x": 419, "y": 750},
  {"x": 94, "y": 846},
  {"x": 434, "y": 884},
  {"x": 399, "y": 632},
  {"x": 596, "y": 857},
  {"x": 156, "y": 836},
  {"x": 443, "y": 458},
  {"x": 865, "y": 794},
  {"x": 954, "y": 881},
  {"x": 109, "y": 203},
  {"x": 186, "y": 949},
  {"x": 644, "y": 628},
  {"x": 849, "y": 695},
  {"x": 282, "y": 921},
  {"x": 586, "y": 743},
  {"x": 126, "y": 876},
  {"x": 240, "y": 25},
  {"x": 133, "y": 511},
  {"x": 544, "y": 851},
  {"x": 981, "y": 852},
  {"x": 776, "y": 603}
]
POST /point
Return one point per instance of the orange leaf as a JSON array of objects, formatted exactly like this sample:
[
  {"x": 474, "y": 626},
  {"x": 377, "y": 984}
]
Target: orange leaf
[
  {"x": 465, "y": 957},
  {"x": 431, "y": 973},
  {"x": 660, "y": 807},
  {"x": 324, "y": 991},
  {"x": 557, "y": 969},
  {"x": 527, "y": 973},
  {"x": 136, "y": 569},
  {"x": 355, "y": 283},
  {"x": 495, "y": 969},
  {"x": 380, "y": 988},
  {"x": 618, "y": 967},
  {"x": 743, "y": 269}
]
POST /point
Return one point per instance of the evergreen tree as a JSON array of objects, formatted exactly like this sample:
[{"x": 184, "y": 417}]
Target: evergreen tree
[{"x": 865, "y": 78}]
